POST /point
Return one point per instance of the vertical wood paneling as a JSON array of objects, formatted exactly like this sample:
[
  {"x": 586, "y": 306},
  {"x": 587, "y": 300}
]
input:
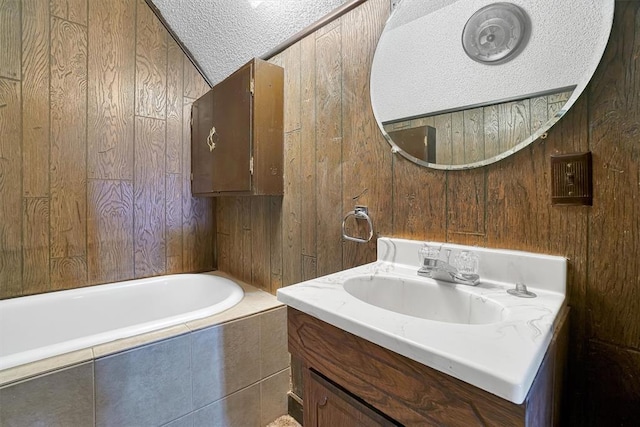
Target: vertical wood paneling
[
  {"x": 278, "y": 205},
  {"x": 10, "y": 189},
  {"x": 292, "y": 86},
  {"x": 188, "y": 202},
  {"x": 491, "y": 131},
  {"x": 308, "y": 202},
  {"x": 419, "y": 208},
  {"x": 247, "y": 251},
  {"x": 260, "y": 259},
  {"x": 110, "y": 231},
  {"x": 205, "y": 241},
  {"x": 276, "y": 253},
  {"x": 466, "y": 188},
  {"x": 233, "y": 222},
  {"x": 68, "y": 134},
  {"x": 457, "y": 138},
  {"x": 235, "y": 236},
  {"x": 198, "y": 214},
  {"x": 614, "y": 385},
  {"x": 198, "y": 239},
  {"x": 10, "y": 44},
  {"x": 149, "y": 198},
  {"x": 222, "y": 215},
  {"x": 68, "y": 272},
  {"x": 444, "y": 146},
  {"x": 474, "y": 135},
  {"x": 175, "y": 77},
  {"x": 614, "y": 285},
  {"x": 151, "y": 64},
  {"x": 35, "y": 246},
  {"x": 173, "y": 228},
  {"x": 188, "y": 226},
  {"x": 309, "y": 268},
  {"x": 35, "y": 98},
  {"x": 363, "y": 144},
  {"x": 291, "y": 215},
  {"x": 112, "y": 44},
  {"x": 556, "y": 102},
  {"x": 194, "y": 85},
  {"x": 503, "y": 205},
  {"x": 483, "y": 133},
  {"x": 222, "y": 245},
  {"x": 539, "y": 112},
  {"x": 514, "y": 123},
  {"x": 67, "y": 163},
  {"x": 569, "y": 236},
  {"x": 70, "y": 10},
  {"x": 329, "y": 150},
  {"x": 518, "y": 201}
]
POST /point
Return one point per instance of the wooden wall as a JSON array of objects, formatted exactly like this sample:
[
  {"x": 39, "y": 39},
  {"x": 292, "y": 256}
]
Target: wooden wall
[
  {"x": 335, "y": 158},
  {"x": 94, "y": 148},
  {"x": 481, "y": 133}
]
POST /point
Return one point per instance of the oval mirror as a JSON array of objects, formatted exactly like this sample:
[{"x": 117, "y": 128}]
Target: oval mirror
[{"x": 457, "y": 84}]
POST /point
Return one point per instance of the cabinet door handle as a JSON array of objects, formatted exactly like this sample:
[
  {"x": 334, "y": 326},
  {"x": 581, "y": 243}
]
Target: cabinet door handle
[
  {"x": 323, "y": 402},
  {"x": 210, "y": 142}
]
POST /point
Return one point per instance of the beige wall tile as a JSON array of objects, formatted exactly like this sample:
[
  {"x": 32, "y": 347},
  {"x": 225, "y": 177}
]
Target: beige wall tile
[
  {"x": 225, "y": 359},
  {"x": 63, "y": 398},
  {"x": 273, "y": 394},
  {"x": 40, "y": 367},
  {"x": 241, "y": 409},
  {"x": 274, "y": 355},
  {"x": 150, "y": 385}
]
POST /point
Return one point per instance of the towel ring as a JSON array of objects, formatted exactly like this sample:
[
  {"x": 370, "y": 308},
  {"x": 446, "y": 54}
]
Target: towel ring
[{"x": 360, "y": 212}]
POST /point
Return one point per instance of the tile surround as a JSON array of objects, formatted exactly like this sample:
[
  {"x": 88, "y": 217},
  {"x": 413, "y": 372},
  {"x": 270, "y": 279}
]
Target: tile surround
[
  {"x": 149, "y": 385},
  {"x": 273, "y": 403},
  {"x": 180, "y": 381},
  {"x": 238, "y": 409},
  {"x": 273, "y": 342},
  {"x": 62, "y": 398},
  {"x": 222, "y": 373}
]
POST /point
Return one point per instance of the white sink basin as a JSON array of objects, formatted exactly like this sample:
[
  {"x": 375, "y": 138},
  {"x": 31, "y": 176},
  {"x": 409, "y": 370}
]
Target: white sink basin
[
  {"x": 425, "y": 299},
  {"x": 478, "y": 334}
]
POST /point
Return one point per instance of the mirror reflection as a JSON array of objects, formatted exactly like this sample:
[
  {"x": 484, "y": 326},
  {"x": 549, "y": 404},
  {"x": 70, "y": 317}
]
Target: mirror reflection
[{"x": 463, "y": 83}]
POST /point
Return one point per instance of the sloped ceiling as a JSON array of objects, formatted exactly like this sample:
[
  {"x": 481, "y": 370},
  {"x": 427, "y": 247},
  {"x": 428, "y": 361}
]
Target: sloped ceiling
[{"x": 222, "y": 35}]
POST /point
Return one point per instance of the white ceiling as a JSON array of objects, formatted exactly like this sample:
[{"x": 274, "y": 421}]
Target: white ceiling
[{"x": 222, "y": 35}]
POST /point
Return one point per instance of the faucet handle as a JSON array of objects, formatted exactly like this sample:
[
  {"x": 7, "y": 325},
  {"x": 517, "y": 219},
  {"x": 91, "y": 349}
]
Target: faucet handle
[
  {"x": 428, "y": 256},
  {"x": 467, "y": 262},
  {"x": 429, "y": 252}
]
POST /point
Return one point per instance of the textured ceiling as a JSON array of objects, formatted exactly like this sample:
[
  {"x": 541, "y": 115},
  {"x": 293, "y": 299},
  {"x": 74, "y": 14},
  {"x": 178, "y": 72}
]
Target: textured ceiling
[{"x": 222, "y": 35}]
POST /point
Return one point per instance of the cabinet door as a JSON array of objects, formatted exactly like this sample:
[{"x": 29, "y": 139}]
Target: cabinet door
[
  {"x": 201, "y": 156},
  {"x": 232, "y": 119},
  {"x": 330, "y": 406}
]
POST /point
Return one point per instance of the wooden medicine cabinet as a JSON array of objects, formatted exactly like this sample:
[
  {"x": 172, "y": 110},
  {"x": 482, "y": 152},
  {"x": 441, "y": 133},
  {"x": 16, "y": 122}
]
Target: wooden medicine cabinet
[{"x": 237, "y": 134}]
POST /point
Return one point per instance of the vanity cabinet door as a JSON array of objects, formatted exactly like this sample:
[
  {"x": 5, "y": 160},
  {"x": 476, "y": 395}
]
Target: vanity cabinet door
[{"x": 330, "y": 406}]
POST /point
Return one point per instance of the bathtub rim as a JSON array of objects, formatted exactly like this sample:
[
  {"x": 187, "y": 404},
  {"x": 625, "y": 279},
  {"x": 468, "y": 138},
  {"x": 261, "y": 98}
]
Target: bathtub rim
[
  {"x": 232, "y": 292},
  {"x": 254, "y": 301}
]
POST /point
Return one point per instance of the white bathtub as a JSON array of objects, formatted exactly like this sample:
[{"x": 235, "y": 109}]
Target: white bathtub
[{"x": 41, "y": 326}]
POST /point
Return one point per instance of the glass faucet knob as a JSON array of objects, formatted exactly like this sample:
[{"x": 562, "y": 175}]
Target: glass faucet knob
[
  {"x": 429, "y": 252},
  {"x": 467, "y": 262}
]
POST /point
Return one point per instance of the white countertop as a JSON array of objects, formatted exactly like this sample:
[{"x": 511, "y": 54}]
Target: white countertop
[{"x": 501, "y": 358}]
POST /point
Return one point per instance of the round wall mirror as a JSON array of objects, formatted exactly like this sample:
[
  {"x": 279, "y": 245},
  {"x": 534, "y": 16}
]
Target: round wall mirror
[{"x": 457, "y": 84}]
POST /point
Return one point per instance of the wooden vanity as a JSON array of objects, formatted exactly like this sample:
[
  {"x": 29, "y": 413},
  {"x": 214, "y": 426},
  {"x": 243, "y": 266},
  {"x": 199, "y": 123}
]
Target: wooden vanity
[{"x": 349, "y": 381}]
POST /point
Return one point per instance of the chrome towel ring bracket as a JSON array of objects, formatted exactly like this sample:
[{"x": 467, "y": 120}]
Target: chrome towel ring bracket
[{"x": 360, "y": 212}]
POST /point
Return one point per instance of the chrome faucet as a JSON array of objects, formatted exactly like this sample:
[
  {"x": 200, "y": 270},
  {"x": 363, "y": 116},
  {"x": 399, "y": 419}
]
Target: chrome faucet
[{"x": 433, "y": 266}]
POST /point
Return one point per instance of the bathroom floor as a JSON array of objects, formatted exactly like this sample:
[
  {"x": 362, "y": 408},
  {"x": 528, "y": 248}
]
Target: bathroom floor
[{"x": 284, "y": 421}]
